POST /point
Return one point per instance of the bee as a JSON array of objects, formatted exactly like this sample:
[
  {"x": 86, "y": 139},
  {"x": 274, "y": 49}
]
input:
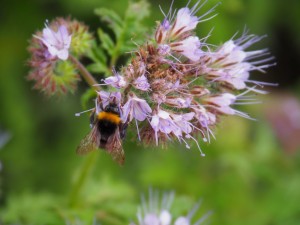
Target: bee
[{"x": 108, "y": 131}]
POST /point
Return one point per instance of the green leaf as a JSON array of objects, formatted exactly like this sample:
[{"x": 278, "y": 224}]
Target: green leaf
[
  {"x": 98, "y": 68},
  {"x": 113, "y": 20},
  {"x": 106, "y": 42},
  {"x": 128, "y": 31},
  {"x": 97, "y": 54}
]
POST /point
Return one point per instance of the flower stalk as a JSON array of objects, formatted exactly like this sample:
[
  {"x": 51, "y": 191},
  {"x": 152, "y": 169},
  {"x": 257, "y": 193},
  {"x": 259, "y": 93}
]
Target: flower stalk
[{"x": 85, "y": 73}]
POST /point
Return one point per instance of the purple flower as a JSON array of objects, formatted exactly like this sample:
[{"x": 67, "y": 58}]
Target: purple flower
[
  {"x": 164, "y": 49},
  {"x": 162, "y": 122},
  {"x": 116, "y": 81},
  {"x": 185, "y": 21},
  {"x": 189, "y": 47},
  {"x": 57, "y": 43},
  {"x": 141, "y": 83},
  {"x": 135, "y": 108},
  {"x": 182, "y": 121},
  {"x": 232, "y": 64},
  {"x": 204, "y": 117},
  {"x": 179, "y": 102},
  {"x": 222, "y": 103},
  {"x": 106, "y": 98}
]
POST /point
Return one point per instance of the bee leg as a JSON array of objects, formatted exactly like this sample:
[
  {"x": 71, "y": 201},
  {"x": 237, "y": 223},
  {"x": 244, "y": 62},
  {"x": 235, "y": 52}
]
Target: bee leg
[{"x": 122, "y": 129}]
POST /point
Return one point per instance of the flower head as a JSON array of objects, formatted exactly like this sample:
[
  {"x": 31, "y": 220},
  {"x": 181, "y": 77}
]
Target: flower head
[
  {"x": 178, "y": 87},
  {"x": 231, "y": 64},
  {"x": 57, "y": 42},
  {"x": 157, "y": 212},
  {"x": 50, "y": 48}
]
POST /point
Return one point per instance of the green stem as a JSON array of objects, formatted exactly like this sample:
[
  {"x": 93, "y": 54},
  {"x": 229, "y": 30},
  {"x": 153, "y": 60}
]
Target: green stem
[
  {"x": 82, "y": 177},
  {"x": 85, "y": 73}
]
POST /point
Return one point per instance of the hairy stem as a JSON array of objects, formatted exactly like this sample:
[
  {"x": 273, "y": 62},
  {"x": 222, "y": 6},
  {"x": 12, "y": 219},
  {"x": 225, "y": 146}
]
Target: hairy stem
[{"x": 85, "y": 73}]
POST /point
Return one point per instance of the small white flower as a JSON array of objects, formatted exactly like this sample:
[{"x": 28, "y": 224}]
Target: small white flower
[{"x": 57, "y": 43}]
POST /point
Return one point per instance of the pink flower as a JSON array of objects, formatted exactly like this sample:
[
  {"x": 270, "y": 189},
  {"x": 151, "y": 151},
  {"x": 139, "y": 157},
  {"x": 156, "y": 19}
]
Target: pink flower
[
  {"x": 116, "y": 81},
  {"x": 141, "y": 83},
  {"x": 57, "y": 43},
  {"x": 189, "y": 47},
  {"x": 135, "y": 108}
]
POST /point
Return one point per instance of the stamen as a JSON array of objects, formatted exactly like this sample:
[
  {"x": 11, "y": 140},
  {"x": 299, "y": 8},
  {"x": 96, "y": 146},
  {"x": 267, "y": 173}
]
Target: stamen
[
  {"x": 137, "y": 127},
  {"x": 78, "y": 114},
  {"x": 189, "y": 136}
]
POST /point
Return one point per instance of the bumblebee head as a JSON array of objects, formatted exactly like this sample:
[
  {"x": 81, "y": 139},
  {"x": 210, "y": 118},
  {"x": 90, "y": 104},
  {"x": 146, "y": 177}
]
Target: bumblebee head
[{"x": 112, "y": 108}]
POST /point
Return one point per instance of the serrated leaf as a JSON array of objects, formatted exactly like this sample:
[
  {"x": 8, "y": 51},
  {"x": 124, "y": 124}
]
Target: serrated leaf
[
  {"x": 98, "y": 68},
  {"x": 113, "y": 20},
  {"x": 128, "y": 30},
  {"x": 97, "y": 54},
  {"x": 106, "y": 42}
]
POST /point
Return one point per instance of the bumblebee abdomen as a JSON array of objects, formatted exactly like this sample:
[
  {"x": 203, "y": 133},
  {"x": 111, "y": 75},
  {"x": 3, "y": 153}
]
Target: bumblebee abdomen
[
  {"x": 106, "y": 127},
  {"x": 108, "y": 122}
]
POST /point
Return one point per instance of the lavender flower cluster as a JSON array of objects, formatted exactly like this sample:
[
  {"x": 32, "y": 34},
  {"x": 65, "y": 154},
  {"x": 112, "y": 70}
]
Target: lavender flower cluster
[{"x": 177, "y": 86}]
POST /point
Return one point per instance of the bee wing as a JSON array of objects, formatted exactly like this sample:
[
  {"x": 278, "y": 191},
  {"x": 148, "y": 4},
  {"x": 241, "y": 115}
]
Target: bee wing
[
  {"x": 114, "y": 147},
  {"x": 90, "y": 142}
]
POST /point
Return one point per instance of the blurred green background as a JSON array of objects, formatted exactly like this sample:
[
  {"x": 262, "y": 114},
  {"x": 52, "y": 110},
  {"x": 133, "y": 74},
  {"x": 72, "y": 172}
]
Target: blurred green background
[{"x": 250, "y": 175}]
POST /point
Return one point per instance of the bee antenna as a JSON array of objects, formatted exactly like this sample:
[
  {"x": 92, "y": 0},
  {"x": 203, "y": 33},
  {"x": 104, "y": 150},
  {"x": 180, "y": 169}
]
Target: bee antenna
[{"x": 78, "y": 114}]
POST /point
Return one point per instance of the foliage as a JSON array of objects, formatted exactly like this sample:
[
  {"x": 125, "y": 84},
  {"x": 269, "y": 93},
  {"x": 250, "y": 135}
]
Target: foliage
[{"x": 247, "y": 177}]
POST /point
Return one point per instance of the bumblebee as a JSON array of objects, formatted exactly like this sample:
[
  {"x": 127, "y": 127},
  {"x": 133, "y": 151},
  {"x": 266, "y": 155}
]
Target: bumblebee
[{"x": 107, "y": 132}]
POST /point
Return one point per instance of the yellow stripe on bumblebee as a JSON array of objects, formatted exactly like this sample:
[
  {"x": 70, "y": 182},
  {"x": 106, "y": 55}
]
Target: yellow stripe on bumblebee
[{"x": 109, "y": 116}]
